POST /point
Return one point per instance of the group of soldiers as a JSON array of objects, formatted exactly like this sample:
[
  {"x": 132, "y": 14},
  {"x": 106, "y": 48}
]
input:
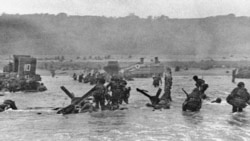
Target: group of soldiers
[
  {"x": 21, "y": 84},
  {"x": 105, "y": 97},
  {"x": 89, "y": 77},
  {"x": 238, "y": 98},
  {"x": 116, "y": 92},
  {"x": 193, "y": 101}
]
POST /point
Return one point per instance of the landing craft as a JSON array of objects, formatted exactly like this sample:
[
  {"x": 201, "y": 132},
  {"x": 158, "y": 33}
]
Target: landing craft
[
  {"x": 23, "y": 66},
  {"x": 144, "y": 70},
  {"x": 137, "y": 70},
  {"x": 20, "y": 75}
]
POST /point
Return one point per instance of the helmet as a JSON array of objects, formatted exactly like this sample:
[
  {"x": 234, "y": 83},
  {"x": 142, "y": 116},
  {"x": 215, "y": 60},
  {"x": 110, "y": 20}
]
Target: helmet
[
  {"x": 241, "y": 84},
  {"x": 195, "y": 77}
]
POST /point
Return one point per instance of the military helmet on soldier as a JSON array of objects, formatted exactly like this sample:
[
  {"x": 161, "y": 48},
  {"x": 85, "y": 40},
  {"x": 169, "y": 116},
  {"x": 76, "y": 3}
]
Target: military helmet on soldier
[
  {"x": 241, "y": 84},
  {"x": 195, "y": 77}
]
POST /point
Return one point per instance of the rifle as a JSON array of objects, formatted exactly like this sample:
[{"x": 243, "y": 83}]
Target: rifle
[{"x": 185, "y": 93}]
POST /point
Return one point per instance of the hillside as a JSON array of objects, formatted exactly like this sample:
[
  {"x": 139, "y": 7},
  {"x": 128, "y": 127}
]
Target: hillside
[{"x": 84, "y": 35}]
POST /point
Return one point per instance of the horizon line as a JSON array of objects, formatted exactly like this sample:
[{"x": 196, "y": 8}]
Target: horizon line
[{"x": 130, "y": 14}]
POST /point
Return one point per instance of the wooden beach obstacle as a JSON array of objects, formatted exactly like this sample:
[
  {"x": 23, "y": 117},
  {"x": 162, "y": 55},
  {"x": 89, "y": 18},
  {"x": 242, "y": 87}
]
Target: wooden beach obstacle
[
  {"x": 76, "y": 102},
  {"x": 153, "y": 99}
]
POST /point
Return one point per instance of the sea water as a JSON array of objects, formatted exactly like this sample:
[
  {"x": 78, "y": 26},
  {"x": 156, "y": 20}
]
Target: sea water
[{"x": 36, "y": 121}]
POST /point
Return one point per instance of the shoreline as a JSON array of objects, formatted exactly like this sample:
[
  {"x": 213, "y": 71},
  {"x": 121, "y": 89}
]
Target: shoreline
[{"x": 189, "y": 72}]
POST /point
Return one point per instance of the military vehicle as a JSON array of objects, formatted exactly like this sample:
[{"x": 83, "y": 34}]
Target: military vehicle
[
  {"x": 144, "y": 70},
  {"x": 20, "y": 75}
]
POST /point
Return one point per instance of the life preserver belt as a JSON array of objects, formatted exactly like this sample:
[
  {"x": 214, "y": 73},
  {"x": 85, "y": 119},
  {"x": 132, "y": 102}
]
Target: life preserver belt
[{"x": 137, "y": 66}]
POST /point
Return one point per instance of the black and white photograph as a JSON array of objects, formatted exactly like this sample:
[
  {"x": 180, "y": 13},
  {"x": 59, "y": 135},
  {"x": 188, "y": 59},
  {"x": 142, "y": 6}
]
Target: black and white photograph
[{"x": 124, "y": 70}]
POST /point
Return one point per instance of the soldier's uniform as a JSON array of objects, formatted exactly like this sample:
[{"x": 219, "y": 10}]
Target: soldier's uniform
[
  {"x": 157, "y": 81},
  {"x": 75, "y": 76},
  {"x": 13, "y": 84},
  {"x": 201, "y": 85},
  {"x": 116, "y": 90},
  {"x": 238, "y": 98},
  {"x": 8, "y": 104},
  {"x": 193, "y": 101},
  {"x": 99, "y": 94},
  {"x": 124, "y": 96},
  {"x": 80, "y": 78}
]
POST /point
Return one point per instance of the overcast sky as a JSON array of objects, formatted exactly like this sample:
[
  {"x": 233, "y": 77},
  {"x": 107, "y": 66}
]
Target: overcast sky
[{"x": 117, "y": 8}]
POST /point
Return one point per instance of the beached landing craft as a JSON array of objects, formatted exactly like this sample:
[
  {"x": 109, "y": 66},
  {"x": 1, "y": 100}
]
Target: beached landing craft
[
  {"x": 20, "y": 75},
  {"x": 144, "y": 70},
  {"x": 137, "y": 70}
]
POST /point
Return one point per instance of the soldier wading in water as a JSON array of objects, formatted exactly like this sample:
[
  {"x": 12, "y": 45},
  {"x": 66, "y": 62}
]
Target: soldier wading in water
[
  {"x": 238, "y": 98},
  {"x": 124, "y": 96},
  {"x": 119, "y": 92},
  {"x": 99, "y": 94},
  {"x": 193, "y": 101},
  {"x": 201, "y": 85},
  {"x": 8, "y": 104},
  {"x": 157, "y": 80}
]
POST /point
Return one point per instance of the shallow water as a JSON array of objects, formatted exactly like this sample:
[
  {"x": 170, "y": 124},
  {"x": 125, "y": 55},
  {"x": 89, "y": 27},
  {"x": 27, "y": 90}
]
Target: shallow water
[{"x": 214, "y": 122}]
